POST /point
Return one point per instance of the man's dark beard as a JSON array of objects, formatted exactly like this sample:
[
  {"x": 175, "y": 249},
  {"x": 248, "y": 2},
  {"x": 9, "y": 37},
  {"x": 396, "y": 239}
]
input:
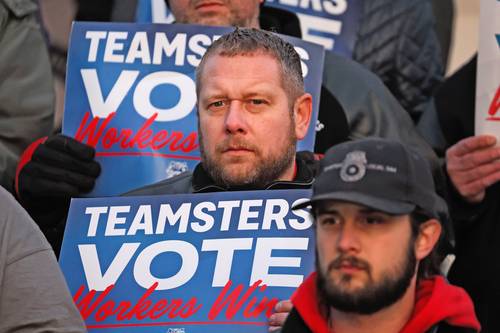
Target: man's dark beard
[
  {"x": 372, "y": 297},
  {"x": 269, "y": 171}
]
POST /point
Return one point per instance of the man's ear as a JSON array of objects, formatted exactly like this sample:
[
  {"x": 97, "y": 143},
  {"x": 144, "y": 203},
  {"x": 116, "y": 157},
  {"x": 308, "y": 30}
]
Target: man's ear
[
  {"x": 428, "y": 236},
  {"x": 302, "y": 110}
]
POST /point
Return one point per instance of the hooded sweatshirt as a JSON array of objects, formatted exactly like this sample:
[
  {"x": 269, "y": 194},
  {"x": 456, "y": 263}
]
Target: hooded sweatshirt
[{"x": 436, "y": 302}]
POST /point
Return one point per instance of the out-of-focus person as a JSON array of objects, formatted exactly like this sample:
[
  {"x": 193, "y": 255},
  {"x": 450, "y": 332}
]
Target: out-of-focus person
[
  {"x": 26, "y": 88},
  {"x": 34, "y": 297}
]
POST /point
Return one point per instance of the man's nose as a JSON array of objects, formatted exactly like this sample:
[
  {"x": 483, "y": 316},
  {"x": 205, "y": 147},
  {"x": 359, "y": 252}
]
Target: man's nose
[
  {"x": 348, "y": 238},
  {"x": 235, "y": 121}
]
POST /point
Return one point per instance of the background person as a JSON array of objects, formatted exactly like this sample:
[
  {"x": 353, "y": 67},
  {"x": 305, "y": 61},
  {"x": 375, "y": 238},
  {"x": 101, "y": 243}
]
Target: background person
[
  {"x": 34, "y": 297},
  {"x": 26, "y": 90}
]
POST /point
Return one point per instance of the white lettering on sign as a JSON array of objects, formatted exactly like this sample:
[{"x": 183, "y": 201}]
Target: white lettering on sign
[
  {"x": 146, "y": 219},
  {"x": 332, "y": 7},
  {"x": 310, "y": 24},
  {"x": 91, "y": 267},
  {"x": 225, "y": 249},
  {"x": 125, "y": 47},
  {"x": 117, "y": 49},
  {"x": 263, "y": 260},
  {"x": 142, "y": 266},
  {"x": 120, "y": 47},
  {"x": 102, "y": 107},
  {"x": 246, "y": 215},
  {"x": 318, "y": 28}
]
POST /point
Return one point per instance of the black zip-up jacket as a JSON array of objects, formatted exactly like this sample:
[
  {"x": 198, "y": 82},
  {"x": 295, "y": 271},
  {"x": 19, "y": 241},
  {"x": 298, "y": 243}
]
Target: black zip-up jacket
[{"x": 199, "y": 181}]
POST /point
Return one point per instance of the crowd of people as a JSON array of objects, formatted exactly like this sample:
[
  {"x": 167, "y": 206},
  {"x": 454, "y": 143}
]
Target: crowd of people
[{"x": 252, "y": 109}]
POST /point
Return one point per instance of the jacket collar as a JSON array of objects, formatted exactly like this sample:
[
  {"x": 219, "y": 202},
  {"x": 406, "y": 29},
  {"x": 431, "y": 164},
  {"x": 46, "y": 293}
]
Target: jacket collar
[{"x": 306, "y": 165}]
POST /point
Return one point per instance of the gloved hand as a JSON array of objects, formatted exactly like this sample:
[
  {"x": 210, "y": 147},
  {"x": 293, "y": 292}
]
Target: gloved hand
[{"x": 51, "y": 171}]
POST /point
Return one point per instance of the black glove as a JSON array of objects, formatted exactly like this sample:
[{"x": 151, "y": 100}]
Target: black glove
[{"x": 50, "y": 172}]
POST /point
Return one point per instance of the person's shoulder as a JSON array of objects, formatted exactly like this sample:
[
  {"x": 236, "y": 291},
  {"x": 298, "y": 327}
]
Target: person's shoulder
[
  {"x": 179, "y": 184},
  {"x": 19, "y": 8},
  {"x": 23, "y": 236},
  {"x": 12, "y": 212},
  {"x": 340, "y": 66}
]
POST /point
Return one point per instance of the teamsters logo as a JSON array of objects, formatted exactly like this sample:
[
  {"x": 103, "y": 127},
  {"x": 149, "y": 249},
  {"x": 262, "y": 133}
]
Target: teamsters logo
[{"x": 354, "y": 166}]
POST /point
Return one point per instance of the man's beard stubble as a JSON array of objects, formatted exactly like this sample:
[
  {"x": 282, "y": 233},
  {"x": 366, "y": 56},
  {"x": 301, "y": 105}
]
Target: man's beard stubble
[
  {"x": 373, "y": 296},
  {"x": 266, "y": 171}
]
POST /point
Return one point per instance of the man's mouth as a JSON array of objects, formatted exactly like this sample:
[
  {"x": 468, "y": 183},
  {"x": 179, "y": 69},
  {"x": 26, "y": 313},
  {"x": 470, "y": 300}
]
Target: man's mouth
[
  {"x": 208, "y": 5},
  {"x": 237, "y": 150},
  {"x": 349, "y": 269},
  {"x": 349, "y": 265}
]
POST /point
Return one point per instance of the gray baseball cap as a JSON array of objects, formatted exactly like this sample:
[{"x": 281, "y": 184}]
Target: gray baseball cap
[{"x": 378, "y": 173}]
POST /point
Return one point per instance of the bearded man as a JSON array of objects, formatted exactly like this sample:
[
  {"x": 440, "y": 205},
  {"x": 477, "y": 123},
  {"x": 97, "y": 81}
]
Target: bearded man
[
  {"x": 378, "y": 221},
  {"x": 252, "y": 109}
]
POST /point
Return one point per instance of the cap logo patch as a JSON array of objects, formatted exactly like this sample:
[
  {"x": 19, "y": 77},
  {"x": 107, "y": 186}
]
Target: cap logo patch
[{"x": 353, "y": 167}]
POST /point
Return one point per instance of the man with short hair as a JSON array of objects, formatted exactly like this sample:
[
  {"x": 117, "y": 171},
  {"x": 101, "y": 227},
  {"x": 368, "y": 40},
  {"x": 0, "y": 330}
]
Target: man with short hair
[
  {"x": 252, "y": 109},
  {"x": 377, "y": 224}
]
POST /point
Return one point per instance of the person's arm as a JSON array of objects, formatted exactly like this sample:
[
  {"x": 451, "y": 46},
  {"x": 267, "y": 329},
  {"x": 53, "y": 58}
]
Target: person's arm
[
  {"x": 34, "y": 296},
  {"x": 50, "y": 172},
  {"x": 26, "y": 88}
]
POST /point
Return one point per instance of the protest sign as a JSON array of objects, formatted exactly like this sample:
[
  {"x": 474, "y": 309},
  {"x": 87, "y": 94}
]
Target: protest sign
[
  {"x": 332, "y": 24},
  {"x": 186, "y": 263},
  {"x": 487, "y": 120},
  {"x": 130, "y": 93}
]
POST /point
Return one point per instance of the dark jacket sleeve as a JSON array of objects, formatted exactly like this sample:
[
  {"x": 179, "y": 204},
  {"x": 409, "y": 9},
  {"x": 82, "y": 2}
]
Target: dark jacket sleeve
[
  {"x": 370, "y": 108},
  {"x": 398, "y": 42},
  {"x": 26, "y": 89}
]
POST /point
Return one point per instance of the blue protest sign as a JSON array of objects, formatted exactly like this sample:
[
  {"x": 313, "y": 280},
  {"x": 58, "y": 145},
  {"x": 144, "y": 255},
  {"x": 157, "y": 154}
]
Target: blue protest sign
[
  {"x": 130, "y": 93},
  {"x": 153, "y": 11},
  {"x": 186, "y": 263},
  {"x": 332, "y": 24}
]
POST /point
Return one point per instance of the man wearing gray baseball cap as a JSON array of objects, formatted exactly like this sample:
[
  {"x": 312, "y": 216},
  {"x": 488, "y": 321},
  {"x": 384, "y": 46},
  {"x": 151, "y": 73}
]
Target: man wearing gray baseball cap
[{"x": 377, "y": 224}]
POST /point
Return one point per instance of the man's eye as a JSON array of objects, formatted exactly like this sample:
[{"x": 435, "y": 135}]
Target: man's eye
[
  {"x": 257, "y": 101},
  {"x": 328, "y": 220},
  {"x": 217, "y": 105},
  {"x": 374, "y": 220}
]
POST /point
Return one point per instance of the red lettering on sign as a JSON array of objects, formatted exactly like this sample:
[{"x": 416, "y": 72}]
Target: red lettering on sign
[
  {"x": 125, "y": 310},
  {"x": 495, "y": 104},
  {"x": 96, "y": 305},
  {"x": 98, "y": 130},
  {"x": 235, "y": 303}
]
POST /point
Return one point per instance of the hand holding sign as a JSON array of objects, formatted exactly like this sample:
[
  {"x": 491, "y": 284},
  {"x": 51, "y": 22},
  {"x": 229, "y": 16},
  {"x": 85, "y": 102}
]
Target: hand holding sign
[
  {"x": 50, "y": 172},
  {"x": 277, "y": 320}
]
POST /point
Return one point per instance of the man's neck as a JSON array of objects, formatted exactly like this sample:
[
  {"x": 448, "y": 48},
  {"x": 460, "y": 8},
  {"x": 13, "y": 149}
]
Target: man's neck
[
  {"x": 290, "y": 173},
  {"x": 388, "y": 320}
]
